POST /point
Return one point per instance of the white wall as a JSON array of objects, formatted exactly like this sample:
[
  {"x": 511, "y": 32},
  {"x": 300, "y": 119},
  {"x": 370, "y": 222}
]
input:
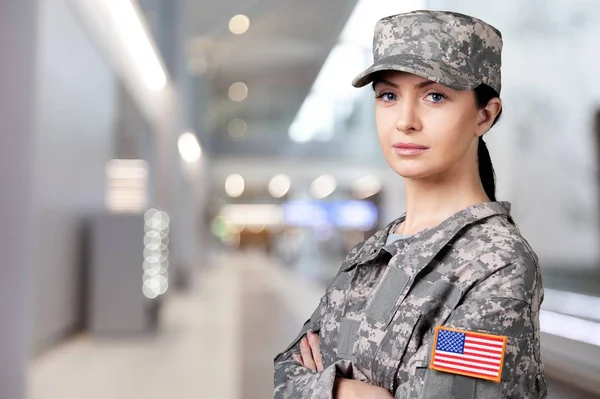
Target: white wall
[
  {"x": 544, "y": 149},
  {"x": 159, "y": 107},
  {"x": 75, "y": 115},
  {"x": 17, "y": 41}
]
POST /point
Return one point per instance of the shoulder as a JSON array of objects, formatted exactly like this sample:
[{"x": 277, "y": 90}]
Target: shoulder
[
  {"x": 502, "y": 256},
  {"x": 499, "y": 234}
]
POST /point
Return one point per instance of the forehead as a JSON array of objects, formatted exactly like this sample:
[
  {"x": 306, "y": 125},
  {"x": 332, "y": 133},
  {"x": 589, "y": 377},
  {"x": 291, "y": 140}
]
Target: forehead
[{"x": 400, "y": 78}]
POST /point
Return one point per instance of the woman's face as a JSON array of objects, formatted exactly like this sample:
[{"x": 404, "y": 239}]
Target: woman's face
[{"x": 426, "y": 129}]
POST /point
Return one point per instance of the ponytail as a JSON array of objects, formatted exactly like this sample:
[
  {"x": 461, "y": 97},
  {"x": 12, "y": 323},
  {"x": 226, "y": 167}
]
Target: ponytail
[
  {"x": 486, "y": 170},
  {"x": 484, "y": 94}
]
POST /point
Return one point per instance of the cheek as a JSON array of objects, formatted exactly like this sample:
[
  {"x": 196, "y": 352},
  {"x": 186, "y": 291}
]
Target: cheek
[
  {"x": 454, "y": 137},
  {"x": 384, "y": 123}
]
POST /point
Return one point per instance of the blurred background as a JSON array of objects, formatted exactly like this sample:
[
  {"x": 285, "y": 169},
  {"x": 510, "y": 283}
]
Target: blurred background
[{"x": 180, "y": 180}]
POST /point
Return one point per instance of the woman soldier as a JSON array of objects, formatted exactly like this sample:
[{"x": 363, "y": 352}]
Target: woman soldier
[{"x": 443, "y": 302}]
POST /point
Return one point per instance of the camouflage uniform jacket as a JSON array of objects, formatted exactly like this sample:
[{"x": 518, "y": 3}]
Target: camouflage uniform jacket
[{"x": 376, "y": 321}]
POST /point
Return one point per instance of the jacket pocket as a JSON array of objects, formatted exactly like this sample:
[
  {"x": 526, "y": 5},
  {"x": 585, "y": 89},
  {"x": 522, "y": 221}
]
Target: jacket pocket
[
  {"x": 399, "y": 336},
  {"x": 440, "y": 385},
  {"x": 346, "y": 338},
  {"x": 385, "y": 300}
]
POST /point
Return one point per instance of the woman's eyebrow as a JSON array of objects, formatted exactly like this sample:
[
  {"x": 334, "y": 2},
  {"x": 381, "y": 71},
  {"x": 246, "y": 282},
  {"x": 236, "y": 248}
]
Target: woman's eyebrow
[
  {"x": 419, "y": 85},
  {"x": 425, "y": 83}
]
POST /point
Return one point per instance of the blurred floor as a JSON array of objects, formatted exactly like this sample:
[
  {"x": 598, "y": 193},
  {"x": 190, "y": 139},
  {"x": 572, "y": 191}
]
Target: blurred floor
[
  {"x": 216, "y": 341},
  {"x": 195, "y": 354}
]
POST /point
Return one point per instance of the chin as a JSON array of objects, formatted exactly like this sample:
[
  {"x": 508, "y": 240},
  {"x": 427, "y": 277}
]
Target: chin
[
  {"x": 410, "y": 175},
  {"x": 408, "y": 171}
]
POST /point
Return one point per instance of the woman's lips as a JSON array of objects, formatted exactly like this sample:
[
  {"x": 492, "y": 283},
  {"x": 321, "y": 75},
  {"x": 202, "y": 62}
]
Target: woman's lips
[{"x": 409, "y": 148}]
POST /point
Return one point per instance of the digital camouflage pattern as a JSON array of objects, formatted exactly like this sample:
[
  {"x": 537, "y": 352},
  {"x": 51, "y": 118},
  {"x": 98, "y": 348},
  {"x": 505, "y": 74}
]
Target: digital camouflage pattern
[
  {"x": 453, "y": 49},
  {"x": 376, "y": 321}
]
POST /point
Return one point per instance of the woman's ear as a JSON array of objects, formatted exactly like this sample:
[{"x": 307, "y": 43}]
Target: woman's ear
[{"x": 487, "y": 115}]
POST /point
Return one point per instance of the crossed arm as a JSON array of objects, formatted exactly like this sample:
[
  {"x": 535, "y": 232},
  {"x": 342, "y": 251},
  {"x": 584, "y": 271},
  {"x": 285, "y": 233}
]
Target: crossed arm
[{"x": 310, "y": 357}]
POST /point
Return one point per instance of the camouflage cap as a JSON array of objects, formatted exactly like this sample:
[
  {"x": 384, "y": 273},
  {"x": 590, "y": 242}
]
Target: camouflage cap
[{"x": 456, "y": 50}]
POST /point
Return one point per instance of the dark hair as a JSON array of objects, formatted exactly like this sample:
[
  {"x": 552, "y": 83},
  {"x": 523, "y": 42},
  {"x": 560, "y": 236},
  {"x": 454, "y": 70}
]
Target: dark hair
[{"x": 483, "y": 94}]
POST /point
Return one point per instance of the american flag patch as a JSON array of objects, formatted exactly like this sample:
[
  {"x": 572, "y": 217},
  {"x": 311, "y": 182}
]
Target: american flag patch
[{"x": 468, "y": 353}]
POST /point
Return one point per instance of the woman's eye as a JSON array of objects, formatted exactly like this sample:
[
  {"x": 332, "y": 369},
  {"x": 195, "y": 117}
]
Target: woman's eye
[
  {"x": 387, "y": 96},
  {"x": 436, "y": 97}
]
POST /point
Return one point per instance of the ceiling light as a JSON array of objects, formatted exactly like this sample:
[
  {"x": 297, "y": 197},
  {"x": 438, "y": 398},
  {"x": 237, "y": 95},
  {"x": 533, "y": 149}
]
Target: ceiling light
[
  {"x": 279, "y": 186},
  {"x": 238, "y": 91},
  {"x": 366, "y": 186},
  {"x": 237, "y": 128},
  {"x": 132, "y": 33},
  {"x": 126, "y": 185},
  {"x": 234, "y": 185},
  {"x": 323, "y": 186},
  {"x": 252, "y": 214},
  {"x": 189, "y": 148},
  {"x": 239, "y": 24}
]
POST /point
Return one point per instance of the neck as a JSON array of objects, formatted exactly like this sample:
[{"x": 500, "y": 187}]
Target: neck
[{"x": 432, "y": 200}]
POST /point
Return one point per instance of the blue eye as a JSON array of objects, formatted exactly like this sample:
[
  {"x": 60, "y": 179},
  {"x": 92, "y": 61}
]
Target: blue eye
[
  {"x": 436, "y": 97},
  {"x": 387, "y": 96}
]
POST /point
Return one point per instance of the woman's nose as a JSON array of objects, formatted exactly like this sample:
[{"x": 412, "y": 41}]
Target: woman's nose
[{"x": 408, "y": 118}]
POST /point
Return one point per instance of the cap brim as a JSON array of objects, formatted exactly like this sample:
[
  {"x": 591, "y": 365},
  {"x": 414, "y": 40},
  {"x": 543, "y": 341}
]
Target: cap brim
[{"x": 432, "y": 70}]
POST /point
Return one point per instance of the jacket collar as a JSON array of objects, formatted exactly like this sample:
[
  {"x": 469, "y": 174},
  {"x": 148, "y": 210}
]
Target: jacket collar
[{"x": 427, "y": 243}]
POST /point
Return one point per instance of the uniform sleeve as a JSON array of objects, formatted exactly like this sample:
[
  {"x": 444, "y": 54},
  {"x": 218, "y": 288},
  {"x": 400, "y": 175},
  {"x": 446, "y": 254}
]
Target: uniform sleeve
[
  {"x": 294, "y": 381},
  {"x": 503, "y": 304}
]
